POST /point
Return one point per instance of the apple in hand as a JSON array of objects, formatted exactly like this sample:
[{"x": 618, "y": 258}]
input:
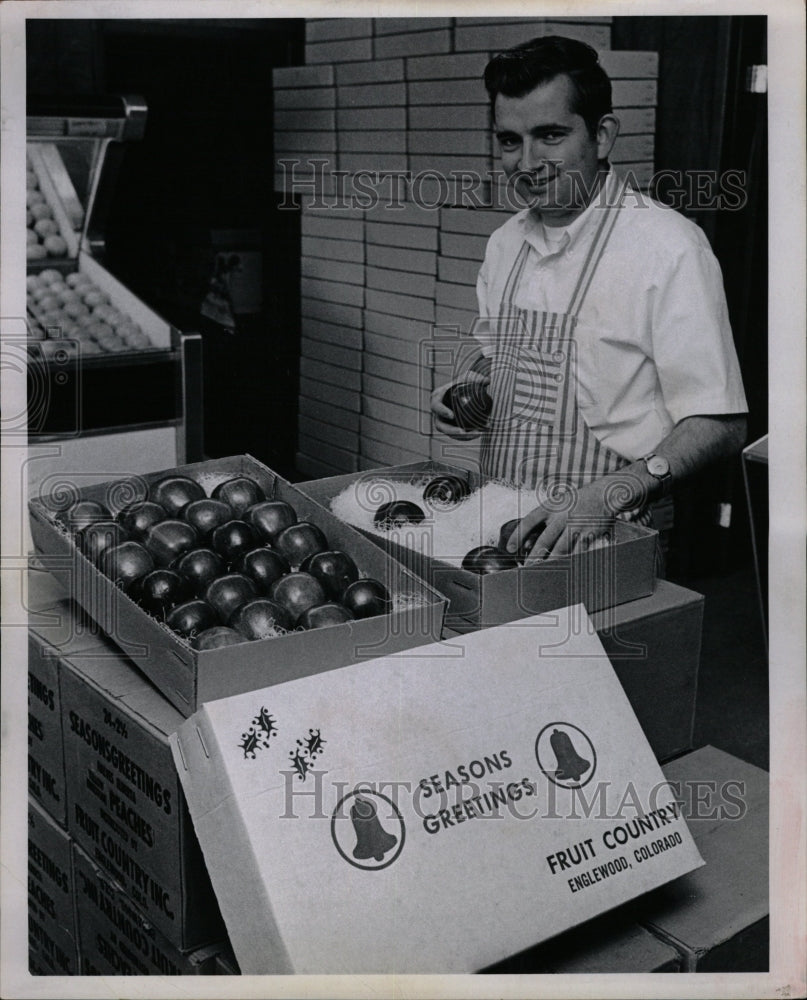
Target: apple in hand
[{"x": 488, "y": 559}]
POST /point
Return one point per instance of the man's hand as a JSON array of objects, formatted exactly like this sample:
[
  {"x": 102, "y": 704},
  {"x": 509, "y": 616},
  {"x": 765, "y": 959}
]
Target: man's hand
[
  {"x": 587, "y": 514},
  {"x": 443, "y": 416}
]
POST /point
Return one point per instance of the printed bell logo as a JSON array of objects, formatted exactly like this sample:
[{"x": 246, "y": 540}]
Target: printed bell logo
[
  {"x": 372, "y": 840},
  {"x": 570, "y": 764}
]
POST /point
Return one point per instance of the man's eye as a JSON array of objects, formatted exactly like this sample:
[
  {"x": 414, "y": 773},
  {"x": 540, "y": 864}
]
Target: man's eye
[
  {"x": 509, "y": 141},
  {"x": 552, "y": 136}
]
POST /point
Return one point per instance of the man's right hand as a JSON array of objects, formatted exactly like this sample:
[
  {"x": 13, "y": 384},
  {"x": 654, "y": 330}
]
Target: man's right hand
[{"x": 444, "y": 418}]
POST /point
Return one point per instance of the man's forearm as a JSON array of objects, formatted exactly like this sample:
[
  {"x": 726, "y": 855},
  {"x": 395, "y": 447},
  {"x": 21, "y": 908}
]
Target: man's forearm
[{"x": 691, "y": 445}]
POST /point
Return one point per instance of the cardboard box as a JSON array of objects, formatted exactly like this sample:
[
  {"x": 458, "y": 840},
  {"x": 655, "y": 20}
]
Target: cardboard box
[
  {"x": 448, "y": 780},
  {"x": 52, "y": 936},
  {"x": 622, "y": 572},
  {"x": 654, "y": 647},
  {"x": 126, "y": 805},
  {"x": 187, "y": 677},
  {"x": 717, "y": 917},
  {"x": 117, "y": 940},
  {"x": 46, "y": 779}
]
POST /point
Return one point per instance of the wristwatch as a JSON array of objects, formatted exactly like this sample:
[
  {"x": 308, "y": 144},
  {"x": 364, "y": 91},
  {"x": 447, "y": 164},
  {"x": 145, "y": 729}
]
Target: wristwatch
[{"x": 659, "y": 468}]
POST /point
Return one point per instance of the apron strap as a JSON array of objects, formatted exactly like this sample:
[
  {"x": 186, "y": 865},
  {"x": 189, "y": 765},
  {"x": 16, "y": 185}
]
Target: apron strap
[{"x": 596, "y": 250}]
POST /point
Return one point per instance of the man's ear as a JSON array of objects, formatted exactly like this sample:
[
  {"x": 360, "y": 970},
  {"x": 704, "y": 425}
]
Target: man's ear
[{"x": 607, "y": 131}]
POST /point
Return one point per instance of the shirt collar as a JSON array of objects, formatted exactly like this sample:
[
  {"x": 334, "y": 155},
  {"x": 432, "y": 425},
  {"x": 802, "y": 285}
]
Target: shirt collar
[{"x": 579, "y": 229}]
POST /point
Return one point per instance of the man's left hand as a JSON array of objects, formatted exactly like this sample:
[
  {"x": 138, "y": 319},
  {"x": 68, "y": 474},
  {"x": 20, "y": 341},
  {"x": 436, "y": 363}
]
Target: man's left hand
[{"x": 587, "y": 514}]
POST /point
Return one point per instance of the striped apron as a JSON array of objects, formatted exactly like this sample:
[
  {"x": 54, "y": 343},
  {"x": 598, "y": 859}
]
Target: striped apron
[{"x": 537, "y": 437}]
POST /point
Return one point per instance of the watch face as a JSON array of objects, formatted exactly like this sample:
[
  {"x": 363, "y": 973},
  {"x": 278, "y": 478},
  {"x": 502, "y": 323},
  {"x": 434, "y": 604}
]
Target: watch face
[{"x": 658, "y": 466}]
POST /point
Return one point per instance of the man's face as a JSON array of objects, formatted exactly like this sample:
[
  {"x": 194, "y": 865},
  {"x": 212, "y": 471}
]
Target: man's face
[{"x": 548, "y": 150}]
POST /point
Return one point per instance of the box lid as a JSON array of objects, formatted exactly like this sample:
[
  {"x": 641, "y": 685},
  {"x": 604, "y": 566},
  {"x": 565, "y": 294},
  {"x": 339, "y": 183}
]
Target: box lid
[{"x": 431, "y": 811}]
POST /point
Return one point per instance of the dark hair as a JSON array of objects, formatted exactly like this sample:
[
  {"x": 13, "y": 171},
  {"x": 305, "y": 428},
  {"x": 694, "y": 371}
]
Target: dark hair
[{"x": 519, "y": 70}]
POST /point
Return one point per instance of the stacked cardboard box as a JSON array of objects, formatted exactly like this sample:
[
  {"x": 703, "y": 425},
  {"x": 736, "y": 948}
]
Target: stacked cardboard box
[{"x": 392, "y": 240}]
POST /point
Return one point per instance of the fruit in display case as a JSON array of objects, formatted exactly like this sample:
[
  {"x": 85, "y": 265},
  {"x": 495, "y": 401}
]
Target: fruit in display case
[
  {"x": 270, "y": 518},
  {"x": 488, "y": 559},
  {"x": 191, "y": 618},
  {"x": 204, "y": 516},
  {"x": 397, "y": 513},
  {"x": 298, "y": 592},
  {"x": 81, "y": 514},
  {"x": 239, "y": 494},
  {"x": 263, "y": 566},
  {"x": 160, "y": 591},
  {"x": 323, "y": 615},
  {"x": 200, "y": 567},
  {"x": 334, "y": 570},
  {"x": 167, "y": 541},
  {"x": 299, "y": 541},
  {"x": 233, "y": 539},
  {"x": 95, "y": 538},
  {"x": 367, "y": 598},
  {"x": 446, "y": 492},
  {"x": 138, "y": 518},
  {"x": 126, "y": 563},
  {"x": 262, "y": 619},
  {"x": 175, "y": 492},
  {"x": 216, "y": 637},
  {"x": 228, "y": 593}
]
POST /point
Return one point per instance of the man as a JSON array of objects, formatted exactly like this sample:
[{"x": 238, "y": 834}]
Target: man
[{"x": 606, "y": 347}]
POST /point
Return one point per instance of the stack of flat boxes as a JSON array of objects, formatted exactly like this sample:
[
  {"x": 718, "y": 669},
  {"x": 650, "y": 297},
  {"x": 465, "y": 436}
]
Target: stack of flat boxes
[
  {"x": 398, "y": 95},
  {"x": 116, "y": 880}
]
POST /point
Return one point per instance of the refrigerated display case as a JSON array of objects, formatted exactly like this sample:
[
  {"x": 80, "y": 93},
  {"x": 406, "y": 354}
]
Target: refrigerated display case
[{"x": 112, "y": 386}]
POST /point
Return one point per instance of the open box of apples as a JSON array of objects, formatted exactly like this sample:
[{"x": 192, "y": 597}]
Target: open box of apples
[
  {"x": 450, "y": 527},
  {"x": 221, "y": 577}
]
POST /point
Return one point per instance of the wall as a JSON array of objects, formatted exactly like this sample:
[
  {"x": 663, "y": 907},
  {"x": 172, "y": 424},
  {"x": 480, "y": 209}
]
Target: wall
[{"x": 388, "y": 288}]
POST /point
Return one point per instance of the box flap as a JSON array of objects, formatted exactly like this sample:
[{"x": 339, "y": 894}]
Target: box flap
[{"x": 431, "y": 811}]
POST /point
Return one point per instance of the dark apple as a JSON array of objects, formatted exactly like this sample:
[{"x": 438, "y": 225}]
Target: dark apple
[
  {"x": 297, "y": 592},
  {"x": 488, "y": 559},
  {"x": 263, "y": 566},
  {"x": 138, "y": 518},
  {"x": 199, "y": 567},
  {"x": 204, "y": 516},
  {"x": 334, "y": 570},
  {"x": 299, "y": 541},
  {"x": 507, "y": 530},
  {"x": 169, "y": 539},
  {"x": 270, "y": 518},
  {"x": 470, "y": 403},
  {"x": 175, "y": 492},
  {"x": 81, "y": 514},
  {"x": 233, "y": 539},
  {"x": 191, "y": 618},
  {"x": 239, "y": 493},
  {"x": 446, "y": 492},
  {"x": 262, "y": 619},
  {"x": 325, "y": 614},
  {"x": 216, "y": 637},
  {"x": 97, "y": 537},
  {"x": 159, "y": 591},
  {"x": 366, "y": 598},
  {"x": 397, "y": 513},
  {"x": 228, "y": 593},
  {"x": 126, "y": 563}
]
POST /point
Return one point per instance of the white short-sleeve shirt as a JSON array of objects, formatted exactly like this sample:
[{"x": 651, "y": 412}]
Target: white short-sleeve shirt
[{"x": 654, "y": 343}]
